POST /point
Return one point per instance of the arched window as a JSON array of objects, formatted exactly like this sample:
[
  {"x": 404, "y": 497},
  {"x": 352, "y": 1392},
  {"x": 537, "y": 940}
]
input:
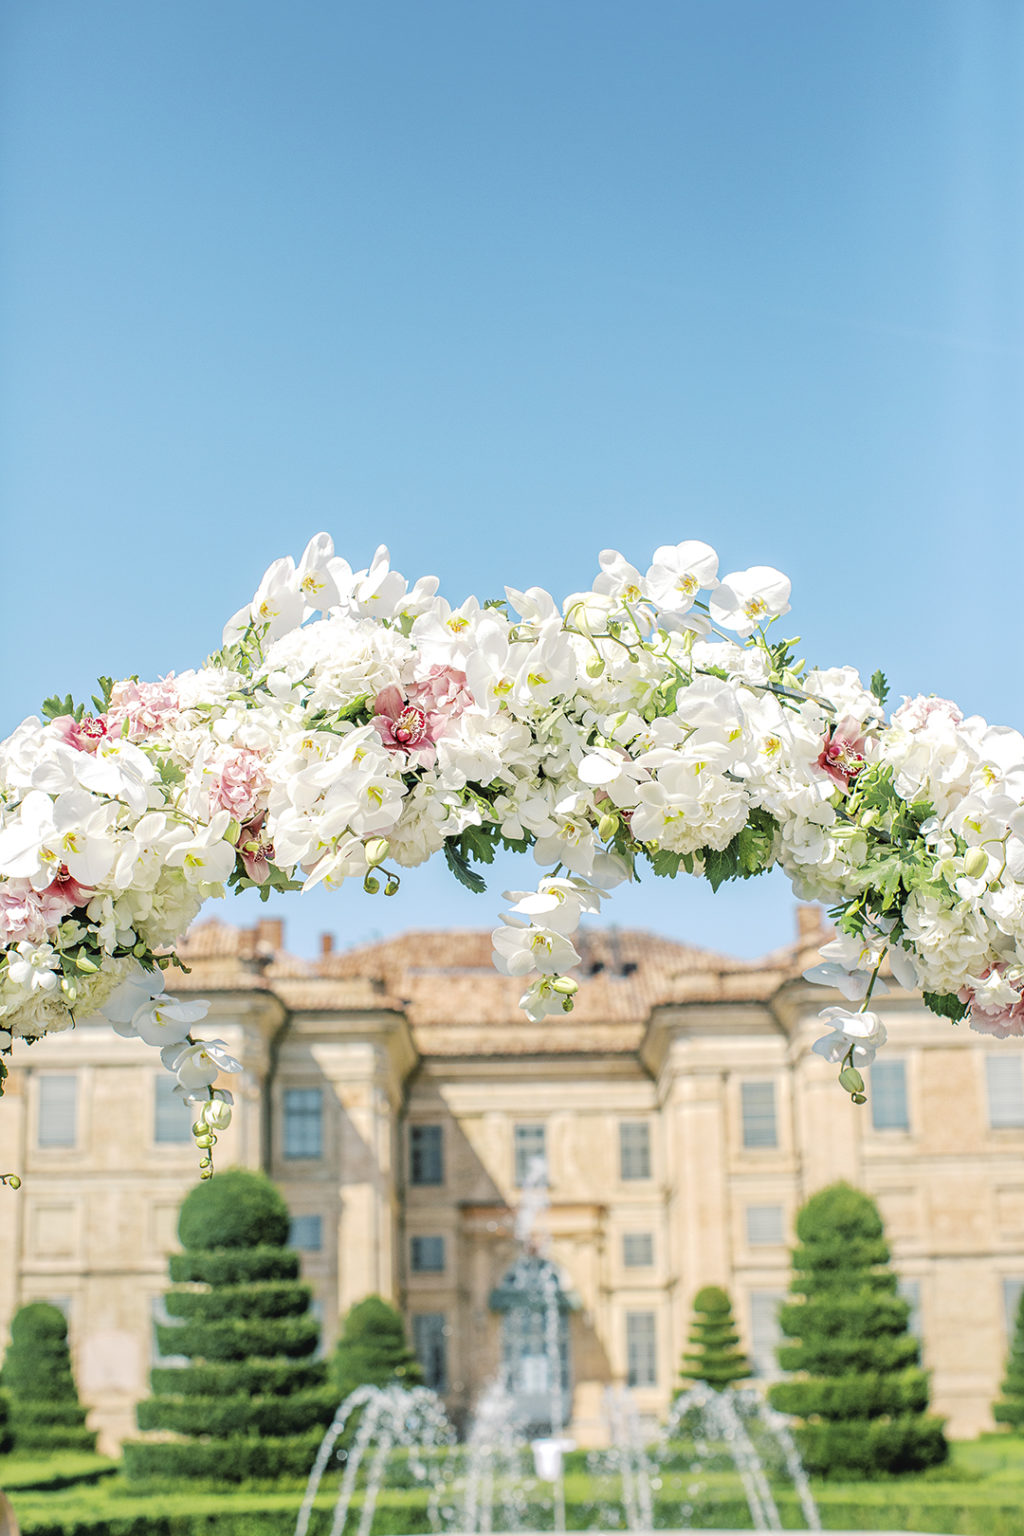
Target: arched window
[{"x": 535, "y": 1310}]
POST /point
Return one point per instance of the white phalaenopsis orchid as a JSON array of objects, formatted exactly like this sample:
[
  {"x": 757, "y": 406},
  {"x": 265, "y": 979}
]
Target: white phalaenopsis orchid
[
  {"x": 353, "y": 726},
  {"x": 857, "y": 1035}
]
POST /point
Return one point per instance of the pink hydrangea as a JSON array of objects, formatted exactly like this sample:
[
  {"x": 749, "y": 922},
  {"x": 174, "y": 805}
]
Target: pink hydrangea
[
  {"x": 1002, "y": 1021},
  {"x": 30, "y": 915},
  {"x": 240, "y": 784},
  {"x": 147, "y": 707},
  {"x": 914, "y": 714}
]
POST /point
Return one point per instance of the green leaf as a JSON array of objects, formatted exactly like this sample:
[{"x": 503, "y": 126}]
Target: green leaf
[
  {"x": 102, "y": 699},
  {"x": 460, "y": 866},
  {"x": 168, "y": 772},
  {"x": 664, "y": 862},
  {"x": 55, "y": 706},
  {"x": 879, "y": 686},
  {"x": 947, "y": 1005}
]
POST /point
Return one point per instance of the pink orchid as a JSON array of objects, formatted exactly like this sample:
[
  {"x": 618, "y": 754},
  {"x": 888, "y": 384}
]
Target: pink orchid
[
  {"x": 65, "y": 888},
  {"x": 843, "y": 755},
  {"x": 241, "y": 782},
  {"x": 405, "y": 726},
  {"x": 85, "y": 735},
  {"x": 254, "y": 850}
]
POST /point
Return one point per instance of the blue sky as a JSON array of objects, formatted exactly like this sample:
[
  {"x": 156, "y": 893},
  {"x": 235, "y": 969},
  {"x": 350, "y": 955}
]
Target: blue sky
[{"x": 500, "y": 286}]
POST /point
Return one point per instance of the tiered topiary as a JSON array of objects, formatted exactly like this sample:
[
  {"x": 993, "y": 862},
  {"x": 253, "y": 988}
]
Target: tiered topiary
[
  {"x": 372, "y": 1350},
  {"x": 716, "y": 1358},
  {"x": 44, "y": 1412},
  {"x": 863, "y": 1396},
  {"x": 252, "y": 1402},
  {"x": 1010, "y": 1407}
]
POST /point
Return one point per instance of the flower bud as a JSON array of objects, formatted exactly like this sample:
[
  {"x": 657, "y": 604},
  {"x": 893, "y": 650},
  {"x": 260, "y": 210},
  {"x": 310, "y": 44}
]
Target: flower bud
[
  {"x": 371, "y": 885},
  {"x": 205, "y": 1140},
  {"x": 565, "y": 985},
  {"x": 13, "y": 1180},
  {"x": 376, "y": 850},
  {"x": 391, "y": 888},
  {"x": 869, "y": 817},
  {"x": 975, "y": 863},
  {"x": 206, "y": 1173},
  {"x": 233, "y": 831},
  {"x": 595, "y": 666},
  {"x": 607, "y": 826},
  {"x": 851, "y": 1080},
  {"x": 216, "y": 1115}
]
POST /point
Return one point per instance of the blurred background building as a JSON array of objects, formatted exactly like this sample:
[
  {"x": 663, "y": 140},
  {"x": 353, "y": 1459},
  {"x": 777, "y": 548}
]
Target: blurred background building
[{"x": 400, "y": 1100}]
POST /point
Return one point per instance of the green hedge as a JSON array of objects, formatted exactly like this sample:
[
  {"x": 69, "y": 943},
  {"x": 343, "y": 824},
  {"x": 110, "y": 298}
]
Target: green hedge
[
  {"x": 253, "y": 1378},
  {"x": 222, "y": 1416},
  {"x": 239, "y": 1338},
  {"x": 257, "y": 1299},
  {"x": 233, "y": 1460},
  {"x": 234, "y": 1266}
]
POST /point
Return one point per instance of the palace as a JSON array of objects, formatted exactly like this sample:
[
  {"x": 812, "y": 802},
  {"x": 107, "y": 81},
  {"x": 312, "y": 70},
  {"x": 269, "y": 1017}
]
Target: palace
[{"x": 401, "y": 1102}]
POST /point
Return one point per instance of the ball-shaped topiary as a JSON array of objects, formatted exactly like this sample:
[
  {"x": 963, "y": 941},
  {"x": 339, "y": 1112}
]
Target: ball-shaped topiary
[
  {"x": 372, "y": 1350},
  {"x": 237, "y": 1209},
  {"x": 1010, "y": 1407},
  {"x": 44, "y": 1412},
  {"x": 860, "y": 1391}
]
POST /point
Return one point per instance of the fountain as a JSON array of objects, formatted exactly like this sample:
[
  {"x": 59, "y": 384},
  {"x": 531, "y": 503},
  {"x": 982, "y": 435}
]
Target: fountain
[{"x": 516, "y": 1442}]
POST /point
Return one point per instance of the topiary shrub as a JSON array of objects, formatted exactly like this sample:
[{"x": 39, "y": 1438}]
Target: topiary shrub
[
  {"x": 44, "y": 1412},
  {"x": 6, "y": 1437},
  {"x": 716, "y": 1357},
  {"x": 862, "y": 1394},
  {"x": 1010, "y": 1407},
  {"x": 372, "y": 1350},
  {"x": 251, "y": 1402}
]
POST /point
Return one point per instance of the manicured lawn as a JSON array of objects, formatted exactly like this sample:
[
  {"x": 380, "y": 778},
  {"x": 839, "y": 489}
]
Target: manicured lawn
[{"x": 980, "y": 1493}]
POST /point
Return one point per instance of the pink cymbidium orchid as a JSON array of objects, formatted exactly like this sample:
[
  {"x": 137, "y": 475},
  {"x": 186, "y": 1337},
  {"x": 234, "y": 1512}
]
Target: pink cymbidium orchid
[{"x": 844, "y": 754}]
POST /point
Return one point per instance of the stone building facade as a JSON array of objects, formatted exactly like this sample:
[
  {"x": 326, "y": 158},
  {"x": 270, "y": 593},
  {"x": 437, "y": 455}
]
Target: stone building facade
[{"x": 399, "y": 1099}]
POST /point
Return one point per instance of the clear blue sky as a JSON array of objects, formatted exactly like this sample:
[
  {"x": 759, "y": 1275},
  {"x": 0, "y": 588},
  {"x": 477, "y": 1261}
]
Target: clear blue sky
[{"x": 500, "y": 285}]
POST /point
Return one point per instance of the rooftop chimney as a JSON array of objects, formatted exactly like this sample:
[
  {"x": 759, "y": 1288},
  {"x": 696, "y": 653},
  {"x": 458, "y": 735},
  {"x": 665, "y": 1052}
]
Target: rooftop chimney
[
  {"x": 326, "y": 943},
  {"x": 809, "y": 926},
  {"x": 270, "y": 934}
]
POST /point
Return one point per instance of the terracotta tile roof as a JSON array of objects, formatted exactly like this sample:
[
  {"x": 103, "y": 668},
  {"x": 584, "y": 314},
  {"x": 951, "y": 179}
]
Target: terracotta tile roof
[{"x": 447, "y": 986}]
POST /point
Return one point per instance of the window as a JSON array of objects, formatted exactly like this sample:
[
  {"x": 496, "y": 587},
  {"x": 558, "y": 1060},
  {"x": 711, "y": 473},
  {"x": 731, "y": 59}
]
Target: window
[
  {"x": 1005, "y": 1093},
  {"x": 765, "y": 1333},
  {"x": 528, "y": 1145},
  {"x": 641, "y": 1350},
  {"x": 634, "y": 1149},
  {"x": 430, "y": 1341},
  {"x": 427, "y": 1255},
  {"x": 764, "y": 1224},
  {"x": 163, "y": 1319},
  {"x": 637, "y": 1250},
  {"x": 307, "y": 1233},
  {"x": 303, "y": 1122},
  {"x": 758, "y": 1108},
  {"x": 1013, "y": 1290},
  {"x": 172, "y": 1117},
  {"x": 426, "y": 1154},
  {"x": 910, "y": 1291},
  {"x": 58, "y": 1099},
  {"x": 888, "y": 1095}
]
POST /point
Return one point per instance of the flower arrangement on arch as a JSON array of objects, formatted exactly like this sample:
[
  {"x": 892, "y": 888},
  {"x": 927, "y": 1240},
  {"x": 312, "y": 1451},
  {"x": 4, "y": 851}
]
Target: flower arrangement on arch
[{"x": 353, "y": 725}]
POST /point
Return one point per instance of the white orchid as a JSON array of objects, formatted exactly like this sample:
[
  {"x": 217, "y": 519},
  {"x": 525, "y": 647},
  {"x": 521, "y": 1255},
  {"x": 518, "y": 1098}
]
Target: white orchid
[
  {"x": 863, "y": 1034},
  {"x": 744, "y": 600}
]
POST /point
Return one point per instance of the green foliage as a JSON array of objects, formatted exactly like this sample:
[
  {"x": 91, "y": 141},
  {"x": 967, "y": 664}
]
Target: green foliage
[
  {"x": 237, "y": 1209},
  {"x": 44, "y": 1412},
  {"x": 251, "y": 1402},
  {"x": 861, "y": 1392},
  {"x": 6, "y": 1434},
  {"x": 372, "y": 1350},
  {"x": 879, "y": 686},
  {"x": 716, "y": 1357},
  {"x": 947, "y": 1005},
  {"x": 1010, "y": 1407}
]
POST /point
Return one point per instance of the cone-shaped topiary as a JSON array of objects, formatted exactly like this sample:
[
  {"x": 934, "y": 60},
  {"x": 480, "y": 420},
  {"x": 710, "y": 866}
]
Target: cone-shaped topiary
[
  {"x": 372, "y": 1350},
  {"x": 716, "y": 1357},
  {"x": 251, "y": 1402},
  {"x": 44, "y": 1412},
  {"x": 1010, "y": 1407},
  {"x": 863, "y": 1395}
]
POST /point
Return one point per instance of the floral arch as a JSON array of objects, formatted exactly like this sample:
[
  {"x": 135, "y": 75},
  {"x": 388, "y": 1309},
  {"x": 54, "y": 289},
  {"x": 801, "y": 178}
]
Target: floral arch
[{"x": 352, "y": 725}]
